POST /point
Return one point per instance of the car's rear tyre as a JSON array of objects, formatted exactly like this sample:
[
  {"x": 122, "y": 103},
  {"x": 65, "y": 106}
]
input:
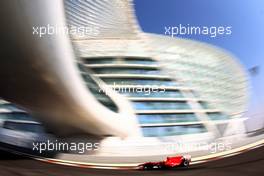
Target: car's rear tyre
[
  {"x": 160, "y": 167},
  {"x": 186, "y": 163}
]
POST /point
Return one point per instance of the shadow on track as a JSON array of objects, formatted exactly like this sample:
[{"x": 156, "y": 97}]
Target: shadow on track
[{"x": 9, "y": 156}]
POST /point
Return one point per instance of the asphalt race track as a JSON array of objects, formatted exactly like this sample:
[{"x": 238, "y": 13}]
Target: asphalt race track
[{"x": 249, "y": 163}]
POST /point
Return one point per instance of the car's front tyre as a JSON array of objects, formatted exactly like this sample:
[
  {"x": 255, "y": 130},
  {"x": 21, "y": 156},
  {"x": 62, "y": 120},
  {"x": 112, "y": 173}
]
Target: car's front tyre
[{"x": 148, "y": 167}]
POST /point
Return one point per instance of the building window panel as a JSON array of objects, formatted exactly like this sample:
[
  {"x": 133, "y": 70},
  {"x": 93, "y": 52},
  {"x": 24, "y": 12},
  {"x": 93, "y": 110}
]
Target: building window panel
[
  {"x": 140, "y": 60},
  {"x": 10, "y": 107},
  {"x": 150, "y": 93},
  {"x": 217, "y": 116},
  {"x": 15, "y": 116},
  {"x": 160, "y": 105},
  {"x": 99, "y": 60},
  {"x": 139, "y": 82},
  {"x": 127, "y": 71},
  {"x": 172, "y": 131},
  {"x": 167, "y": 118}
]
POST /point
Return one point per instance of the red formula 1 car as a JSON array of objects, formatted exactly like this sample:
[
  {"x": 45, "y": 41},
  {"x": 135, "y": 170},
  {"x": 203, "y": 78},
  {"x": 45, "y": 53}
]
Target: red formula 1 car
[{"x": 169, "y": 163}]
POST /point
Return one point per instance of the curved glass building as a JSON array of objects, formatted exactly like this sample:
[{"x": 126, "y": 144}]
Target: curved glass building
[
  {"x": 159, "y": 88},
  {"x": 176, "y": 86}
]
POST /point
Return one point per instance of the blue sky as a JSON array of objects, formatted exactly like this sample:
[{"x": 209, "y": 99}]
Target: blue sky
[{"x": 246, "y": 17}]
